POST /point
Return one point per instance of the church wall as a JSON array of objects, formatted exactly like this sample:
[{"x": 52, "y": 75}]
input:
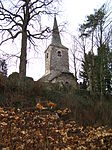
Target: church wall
[
  {"x": 59, "y": 59},
  {"x": 65, "y": 79},
  {"x": 47, "y": 60}
]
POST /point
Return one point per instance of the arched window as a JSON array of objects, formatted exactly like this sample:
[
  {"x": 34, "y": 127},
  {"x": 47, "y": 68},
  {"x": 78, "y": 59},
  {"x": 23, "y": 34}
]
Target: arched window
[
  {"x": 59, "y": 53},
  {"x": 47, "y": 55},
  {"x": 67, "y": 82}
]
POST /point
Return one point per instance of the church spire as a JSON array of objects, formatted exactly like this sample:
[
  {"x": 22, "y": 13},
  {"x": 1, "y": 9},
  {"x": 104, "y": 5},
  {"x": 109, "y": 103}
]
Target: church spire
[{"x": 56, "y": 40}]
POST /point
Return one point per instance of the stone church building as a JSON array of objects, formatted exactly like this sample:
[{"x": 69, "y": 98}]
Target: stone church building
[{"x": 57, "y": 61}]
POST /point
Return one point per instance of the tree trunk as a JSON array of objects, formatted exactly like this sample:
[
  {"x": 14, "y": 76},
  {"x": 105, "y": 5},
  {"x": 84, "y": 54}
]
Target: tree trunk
[
  {"x": 101, "y": 63},
  {"x": 23, "y": 56},
  {"x": 75, "y": 69},
  {"x": 92, "y": 75}
]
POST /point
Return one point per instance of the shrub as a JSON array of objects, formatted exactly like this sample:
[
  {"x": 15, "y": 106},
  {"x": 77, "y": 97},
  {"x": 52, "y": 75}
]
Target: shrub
[
  {"x": 3, "y": 83},
  {"x": 13, "y": 82}
]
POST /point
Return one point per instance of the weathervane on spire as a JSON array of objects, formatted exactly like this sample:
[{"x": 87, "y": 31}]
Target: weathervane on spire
[{"x": 55, "y": 12}]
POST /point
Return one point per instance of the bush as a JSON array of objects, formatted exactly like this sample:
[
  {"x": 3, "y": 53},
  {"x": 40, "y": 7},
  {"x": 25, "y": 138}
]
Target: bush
[
  {"x": 13, "y": 82},
  {"x": 3, "y": 83},
  {"x": 86, "y": 109}
]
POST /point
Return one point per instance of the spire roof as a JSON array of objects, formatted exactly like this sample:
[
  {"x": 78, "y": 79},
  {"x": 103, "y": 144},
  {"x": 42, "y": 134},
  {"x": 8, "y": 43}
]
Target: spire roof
[{"x": 56, "y": 40}]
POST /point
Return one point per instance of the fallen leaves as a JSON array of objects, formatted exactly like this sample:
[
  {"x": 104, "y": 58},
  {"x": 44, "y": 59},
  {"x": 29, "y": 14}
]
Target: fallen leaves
[
  {"x": 46, "y": 129},
  {"x": 46, "y": 105},
  {"x": 39, "y": 106}
]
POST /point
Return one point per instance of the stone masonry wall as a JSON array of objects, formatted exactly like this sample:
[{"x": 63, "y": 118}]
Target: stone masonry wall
[
  {"x": 47, "y": 60},
  {"x": 59, "y": 59}
]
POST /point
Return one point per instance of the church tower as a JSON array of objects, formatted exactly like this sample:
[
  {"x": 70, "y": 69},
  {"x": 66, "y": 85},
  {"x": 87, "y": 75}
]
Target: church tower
[
  {"x": 57, "y": 61},
  {"x": 56, "y": 55}
]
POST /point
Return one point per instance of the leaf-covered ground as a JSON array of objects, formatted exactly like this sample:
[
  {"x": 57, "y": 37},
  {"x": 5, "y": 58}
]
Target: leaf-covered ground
[{"x": 45, "y": 128}]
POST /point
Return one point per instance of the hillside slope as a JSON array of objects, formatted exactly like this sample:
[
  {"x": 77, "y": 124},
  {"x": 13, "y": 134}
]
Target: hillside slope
[{"x": 45, "y": 128}]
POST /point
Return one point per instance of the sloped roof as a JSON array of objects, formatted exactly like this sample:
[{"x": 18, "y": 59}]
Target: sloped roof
[{"x": 53, "y": 75}]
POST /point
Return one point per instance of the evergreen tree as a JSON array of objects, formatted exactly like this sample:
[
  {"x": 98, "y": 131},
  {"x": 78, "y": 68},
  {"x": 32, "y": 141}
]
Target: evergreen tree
[
  {"x": 3, "y": 67},
  {"x": 97, "y": 69}
]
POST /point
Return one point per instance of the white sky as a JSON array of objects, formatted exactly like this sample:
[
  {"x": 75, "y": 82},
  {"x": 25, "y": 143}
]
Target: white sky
[
  {"x": 74, "y": 13},
  {"x": 77, "y": 10}
]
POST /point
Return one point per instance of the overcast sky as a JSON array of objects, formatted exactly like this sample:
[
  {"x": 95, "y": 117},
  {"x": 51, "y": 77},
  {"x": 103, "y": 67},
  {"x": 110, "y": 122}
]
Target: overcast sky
[{"x": 74, "y": 13}]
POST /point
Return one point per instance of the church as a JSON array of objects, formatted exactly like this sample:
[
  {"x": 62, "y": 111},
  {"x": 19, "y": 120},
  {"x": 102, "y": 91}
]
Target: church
[{"x": 57, "y": 61}]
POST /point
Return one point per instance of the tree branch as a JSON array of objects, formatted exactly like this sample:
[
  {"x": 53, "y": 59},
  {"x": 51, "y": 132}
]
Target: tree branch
[{"x": 11, "y": 37}]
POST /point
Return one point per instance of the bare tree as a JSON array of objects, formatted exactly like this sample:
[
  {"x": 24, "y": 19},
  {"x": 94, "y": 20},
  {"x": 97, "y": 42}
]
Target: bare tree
[
  {"x": 23, "y": 18},
  {"x": 3, "y": 67},
  {"x": 76, "y": 52}
]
